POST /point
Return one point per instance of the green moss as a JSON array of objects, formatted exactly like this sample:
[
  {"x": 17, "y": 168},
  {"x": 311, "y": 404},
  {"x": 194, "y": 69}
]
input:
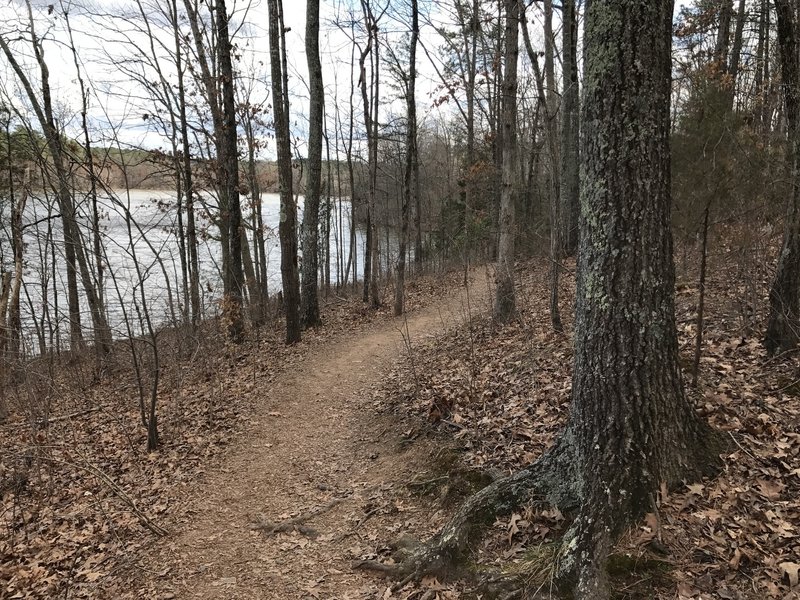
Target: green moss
[
  {"x": 638, "y": 575},
  {"x": 620, "y": 565},
  {"x": 449, "y": 480}
]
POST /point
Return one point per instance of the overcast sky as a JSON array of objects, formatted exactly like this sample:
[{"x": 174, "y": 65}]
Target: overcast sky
[{"x": 115, "y": 100}]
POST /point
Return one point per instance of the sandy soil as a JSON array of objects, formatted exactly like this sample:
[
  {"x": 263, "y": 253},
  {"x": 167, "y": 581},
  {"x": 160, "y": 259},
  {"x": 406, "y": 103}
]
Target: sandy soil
[{"x": 318, "y": 448}]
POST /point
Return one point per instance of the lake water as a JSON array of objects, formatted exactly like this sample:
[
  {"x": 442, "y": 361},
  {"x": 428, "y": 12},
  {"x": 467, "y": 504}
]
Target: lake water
[{"x": 153, "y": 223}]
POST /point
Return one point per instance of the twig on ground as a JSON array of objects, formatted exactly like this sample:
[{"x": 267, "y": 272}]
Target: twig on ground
[
  {"x": 80, "y": 413},
  {"x": 120, "y": 493},
  {"x": 745, "y": 450},
  {"x": 426, "y": 483}
]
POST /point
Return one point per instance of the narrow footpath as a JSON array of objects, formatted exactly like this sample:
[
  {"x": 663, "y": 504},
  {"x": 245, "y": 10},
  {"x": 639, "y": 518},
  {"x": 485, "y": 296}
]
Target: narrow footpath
[{"x": 322, "y": 463}]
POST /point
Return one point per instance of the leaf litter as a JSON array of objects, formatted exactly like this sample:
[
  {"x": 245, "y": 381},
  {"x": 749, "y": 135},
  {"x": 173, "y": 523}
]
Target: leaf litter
[
  {"x": 501, "y": 394},
  {"x": 498, "y": 395}
]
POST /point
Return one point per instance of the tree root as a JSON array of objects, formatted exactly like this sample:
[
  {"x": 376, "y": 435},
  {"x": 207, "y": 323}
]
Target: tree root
[
  {"x": 551, "y": 479},
  {"x": 296, "y": 523}
]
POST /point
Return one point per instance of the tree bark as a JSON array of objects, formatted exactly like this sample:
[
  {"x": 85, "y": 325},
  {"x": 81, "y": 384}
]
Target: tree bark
[
  {"x": 783, "y": 327},
  {"x": 634, "y": 426},
  {"x": 287, "y": 230},
  {"x": 722, "y": 45},
  {"x": 309, "y": 309},
  {"x": 410, "y": 174},
  {"x": 570, "y": 133},
  {"x": 229, "y": 164},
  {"x": 505, "y": 300}
]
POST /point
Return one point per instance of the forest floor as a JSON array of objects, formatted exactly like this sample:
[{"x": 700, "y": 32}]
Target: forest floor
[{"x": 283, "y": 468}]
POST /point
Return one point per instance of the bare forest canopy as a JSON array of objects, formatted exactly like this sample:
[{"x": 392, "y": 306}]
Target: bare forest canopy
[{"x": 185, "y": 177}]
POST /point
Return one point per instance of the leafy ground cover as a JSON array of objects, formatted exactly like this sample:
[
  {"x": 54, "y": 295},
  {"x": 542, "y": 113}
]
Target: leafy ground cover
[
  {"x": 502, "y": 395},
  {"x": 80, "y": 498}
]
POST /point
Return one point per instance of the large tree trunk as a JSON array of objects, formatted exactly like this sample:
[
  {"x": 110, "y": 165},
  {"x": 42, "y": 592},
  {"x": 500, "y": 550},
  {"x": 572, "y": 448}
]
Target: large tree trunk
[
  {"x": 505, "y": 301},
  {"x": 783, "y": 328},
  {"x": 633, "y": 424},
  {"x": 309, "y": 297},
  {"x": 287, "y": 230}
]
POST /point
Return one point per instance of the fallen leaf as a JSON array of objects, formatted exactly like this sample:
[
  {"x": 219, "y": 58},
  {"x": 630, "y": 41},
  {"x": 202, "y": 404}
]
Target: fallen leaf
[{"x": 792, "y": 572}]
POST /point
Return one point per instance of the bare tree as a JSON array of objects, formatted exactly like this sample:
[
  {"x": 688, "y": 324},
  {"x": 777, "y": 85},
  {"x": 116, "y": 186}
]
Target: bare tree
[
  {"x": 505, "y": 300},
  {"x": 76, "y": 258},
  {"x": 370, "y": 100},
  {"x": 570, "y": 189},
  {"x": 411, "y": 191},
  {"x": 218, "y": 88},
  {"x": 288, "y": 225},
  {"x": 783, "y": 328},
  {"x": 309, "y": 310}
]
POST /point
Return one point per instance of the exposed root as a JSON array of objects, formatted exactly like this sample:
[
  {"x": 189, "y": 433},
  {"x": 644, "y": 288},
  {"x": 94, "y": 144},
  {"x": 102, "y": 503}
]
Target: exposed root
[
  {"x": 550, "y": 478},
  {"x": 296, "y": 523}
]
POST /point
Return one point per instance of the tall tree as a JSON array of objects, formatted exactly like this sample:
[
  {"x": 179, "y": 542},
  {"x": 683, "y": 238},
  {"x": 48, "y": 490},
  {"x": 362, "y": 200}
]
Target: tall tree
[
  {"x": 570, "y": 185},
  {"x": 287, "y": 230},
  {"x": 193, "y": 267},
  {"x": 633, "y": 423},
  {"x": 736, "y": 53},
  {"x": 554, "y": 165},
  {"x": 229, "y": 160},
  {"x": 370, "y": 100},
  {"x": 309, "y": 294},
  {"x": 74, "y": 250},
  {"x": 505, "y": 300},
  {"x": 411, "y": 167},
  {"x": 217, "y": 80},
  {"x": 783, "y": 327},
  {"x": 631, "y": 426}
]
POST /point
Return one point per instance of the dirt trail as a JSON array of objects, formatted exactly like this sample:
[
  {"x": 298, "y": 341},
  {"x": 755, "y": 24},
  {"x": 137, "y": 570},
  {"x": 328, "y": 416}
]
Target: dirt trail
[{"x": 316, "y": 443}]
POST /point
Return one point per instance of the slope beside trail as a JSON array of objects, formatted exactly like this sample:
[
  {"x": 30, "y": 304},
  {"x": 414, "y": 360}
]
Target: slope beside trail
[{"x": 319, "y": 450}]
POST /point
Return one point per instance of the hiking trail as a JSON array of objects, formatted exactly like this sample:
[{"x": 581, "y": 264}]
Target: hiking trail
[{"x": 319, "y": 462}]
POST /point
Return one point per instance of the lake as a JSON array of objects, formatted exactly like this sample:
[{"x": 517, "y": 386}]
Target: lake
[{"x": 154, "y": 243}]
